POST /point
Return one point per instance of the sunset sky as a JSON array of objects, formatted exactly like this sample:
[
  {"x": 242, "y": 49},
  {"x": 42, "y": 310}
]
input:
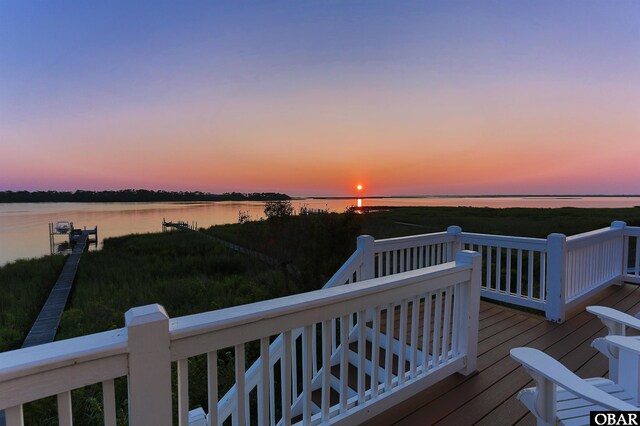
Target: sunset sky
[{"x": 314, "y": 97}]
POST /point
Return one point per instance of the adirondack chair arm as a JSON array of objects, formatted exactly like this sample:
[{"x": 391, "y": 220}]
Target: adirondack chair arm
[
  {"x": 625, "y": 343},
  {"x": 545, "y": 369},
  {"x": 614, "y": 320}
]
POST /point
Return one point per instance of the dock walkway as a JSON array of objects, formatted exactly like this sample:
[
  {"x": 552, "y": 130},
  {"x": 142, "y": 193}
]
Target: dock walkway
[
  {"x": 45, "y": 327},
  {"x": 235, "y": 247}
]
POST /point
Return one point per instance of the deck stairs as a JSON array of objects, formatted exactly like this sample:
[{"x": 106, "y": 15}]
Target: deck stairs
[{"x": 352, "y": 369}]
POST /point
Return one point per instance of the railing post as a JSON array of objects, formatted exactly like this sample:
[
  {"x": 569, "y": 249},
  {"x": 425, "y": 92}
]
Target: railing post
[
  {"x": 365, "y": 244},
  {"x": 624, "y": 253},
  {"x": 470, "y": 309},
  {"x": 556, "y": 276},
  {"x": 149, "y": 366},
  {"x": 456, "y": 245}
]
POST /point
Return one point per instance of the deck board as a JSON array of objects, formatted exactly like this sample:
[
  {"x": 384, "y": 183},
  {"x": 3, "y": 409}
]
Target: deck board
[{"x": 489, "y": 396}]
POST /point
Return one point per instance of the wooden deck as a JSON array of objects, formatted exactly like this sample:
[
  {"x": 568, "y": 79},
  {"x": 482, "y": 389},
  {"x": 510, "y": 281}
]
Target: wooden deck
[{"x": 489, "y": 396}]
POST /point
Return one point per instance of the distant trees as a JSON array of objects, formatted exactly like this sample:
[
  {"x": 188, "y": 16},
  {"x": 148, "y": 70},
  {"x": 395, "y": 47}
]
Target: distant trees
[{"x": 132, "y": 195}]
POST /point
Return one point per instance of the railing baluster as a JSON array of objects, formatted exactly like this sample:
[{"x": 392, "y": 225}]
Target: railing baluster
[
  {"x": 415, "y": 311},
  {"x": 286, "y": 379},
  {"x": 314, "y": 349},
  {"x": 446, "y": 324},
  {"x": 414, "y": 263},
  {"x": 183, "y": 392},
  {"x": 439, "y": 253},
  {"x": 212, "y": 388},
  {"x": 488, "y": 279},
  {"x": 519, "y": 273},
  {"x": 457, "y": 319},
  {"x": 432, "y": 251},
  {"x": 530, "y": 275},
  {"x": 507, "y": 277},
  {"x": 543, "y": 276},
  {"x": 402, "y": 259},
  {"x": 334, "y": 338},
  {"x": 362, "y": 356},
  {"x": 403, "y": 341},
  {"x": 240, "y": 414},
  {"x": 387, "y": 263},
  {"x": 65, "y": 412},
  {"x": 306, "y": 374},
  {"x": 388, "y": 359},
  {"x": 344, "y": 361},
  {"x": 109, "y": 402},
  {"x": 14, "y": 416},
  {"x": 426, "y": 332},
  {"x": 375, "y": 351},
  {"x": 498, "y": 268},
  {"x": 436, "y": 329},
  {"x": 327, "y": 333},
  {"x": 264, "y": 385},
  {"x": 294, "y": 368},
  {"x": 626, "y": 244}
]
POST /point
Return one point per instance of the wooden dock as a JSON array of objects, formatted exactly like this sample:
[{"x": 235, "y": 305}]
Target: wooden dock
[
  {"x": 45, "y": 327},
  {"x": 489, "y": 396}
]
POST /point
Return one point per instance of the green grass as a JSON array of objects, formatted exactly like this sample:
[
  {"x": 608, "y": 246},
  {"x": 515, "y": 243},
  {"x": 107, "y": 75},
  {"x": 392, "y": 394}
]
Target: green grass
[
  {"x": 184, "y": 272},
  {"x": 24, "y": 286}
]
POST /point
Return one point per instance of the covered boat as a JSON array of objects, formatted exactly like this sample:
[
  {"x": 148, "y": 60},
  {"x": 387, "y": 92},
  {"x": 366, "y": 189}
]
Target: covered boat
[{"x": 63, "y": 226}]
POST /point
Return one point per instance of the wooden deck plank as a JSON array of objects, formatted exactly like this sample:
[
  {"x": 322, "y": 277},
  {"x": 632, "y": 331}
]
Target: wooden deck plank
[{"x": 489, "y": 396}]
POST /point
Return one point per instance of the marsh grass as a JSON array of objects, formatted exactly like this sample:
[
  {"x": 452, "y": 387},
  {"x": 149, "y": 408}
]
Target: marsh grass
[
  {"x": 523, "y": 222},
  {"x": 24, "y": 286}
]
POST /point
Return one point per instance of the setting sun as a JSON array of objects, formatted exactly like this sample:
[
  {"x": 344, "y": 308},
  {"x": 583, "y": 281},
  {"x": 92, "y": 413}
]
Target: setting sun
[{"x": 359, "y": 187}]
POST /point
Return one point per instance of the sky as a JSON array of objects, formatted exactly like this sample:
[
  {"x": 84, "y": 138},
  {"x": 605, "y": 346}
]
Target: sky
[{"x": 315, "y": 97}]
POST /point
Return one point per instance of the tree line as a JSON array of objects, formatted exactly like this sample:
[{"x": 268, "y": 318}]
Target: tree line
[{"x": 133, "y": 195}]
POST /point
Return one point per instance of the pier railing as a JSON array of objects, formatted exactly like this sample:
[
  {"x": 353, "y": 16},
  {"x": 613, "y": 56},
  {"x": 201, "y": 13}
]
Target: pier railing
[{"x": 344, "y": 333}]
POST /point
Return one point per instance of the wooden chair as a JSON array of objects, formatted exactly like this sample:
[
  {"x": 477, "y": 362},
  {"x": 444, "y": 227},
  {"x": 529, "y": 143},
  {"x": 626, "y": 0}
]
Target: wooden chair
[
  {"x": 561, "y": 397},
  {"x": 617, "y": 323}
]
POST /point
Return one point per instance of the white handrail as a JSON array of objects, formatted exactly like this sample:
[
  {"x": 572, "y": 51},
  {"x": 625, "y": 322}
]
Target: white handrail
[{"x": 145, "y": 349}]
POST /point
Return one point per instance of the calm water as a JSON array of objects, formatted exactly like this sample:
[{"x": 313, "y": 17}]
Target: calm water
[{"x": 24, "y": 227}]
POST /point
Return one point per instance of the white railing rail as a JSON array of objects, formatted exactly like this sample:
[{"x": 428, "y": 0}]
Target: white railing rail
[{"x": 443, "y": 300}]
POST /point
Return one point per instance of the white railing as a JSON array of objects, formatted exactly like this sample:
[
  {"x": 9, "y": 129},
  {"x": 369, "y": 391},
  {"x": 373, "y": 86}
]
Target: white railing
[
  {"x": 593, "y": 260},
  {"x": 514, "y": 268},
  {"x": 631, "y": 266},
  {"x": 546, "y": 274},
  {"x": 59, "y": 367},
  {"x": 442, "y": 300}
]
